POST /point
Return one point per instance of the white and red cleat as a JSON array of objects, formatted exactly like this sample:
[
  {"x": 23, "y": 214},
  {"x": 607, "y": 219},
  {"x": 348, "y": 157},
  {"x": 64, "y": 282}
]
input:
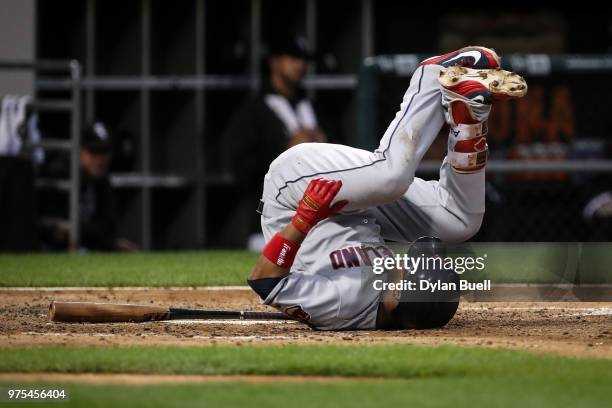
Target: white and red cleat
[
  {"x": 489, "y": 84},
  {"x": 470, "y": 57},
  {"x": 465, "y": 90}
]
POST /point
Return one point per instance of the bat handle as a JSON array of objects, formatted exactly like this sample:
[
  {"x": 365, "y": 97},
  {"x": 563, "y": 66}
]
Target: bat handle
[
  {"x": 265, "y": 316},
  {"x": 180, "y": 313}
]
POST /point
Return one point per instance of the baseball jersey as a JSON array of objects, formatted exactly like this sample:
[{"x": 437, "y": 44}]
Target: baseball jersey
[{"x": 330, "y": 286}]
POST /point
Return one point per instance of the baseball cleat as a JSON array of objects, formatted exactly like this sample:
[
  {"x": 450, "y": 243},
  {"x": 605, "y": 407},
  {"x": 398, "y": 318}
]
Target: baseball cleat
[
  {"x": 469, "y": 57},
  {"x": 483, "y": 85},
  {"x": 468, "y": 93}
]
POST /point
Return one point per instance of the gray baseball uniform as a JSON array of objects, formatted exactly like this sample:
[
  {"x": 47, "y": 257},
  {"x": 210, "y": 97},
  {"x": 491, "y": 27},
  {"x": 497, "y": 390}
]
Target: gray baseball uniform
[{"x": 330, "y": 281}]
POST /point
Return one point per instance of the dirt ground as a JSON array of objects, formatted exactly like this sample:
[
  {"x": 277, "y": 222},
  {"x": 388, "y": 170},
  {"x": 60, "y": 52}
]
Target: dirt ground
[
  {"x": 151, "y": 379},
  {"x": 565, "y": 328}
]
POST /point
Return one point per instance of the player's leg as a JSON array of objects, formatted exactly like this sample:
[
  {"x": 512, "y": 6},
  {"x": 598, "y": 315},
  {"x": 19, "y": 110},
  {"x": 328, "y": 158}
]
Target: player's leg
[
  {"x": 373, "y": 178},
  {"x": 369, "y": 178},
  {"x": 452, "y": 207}
]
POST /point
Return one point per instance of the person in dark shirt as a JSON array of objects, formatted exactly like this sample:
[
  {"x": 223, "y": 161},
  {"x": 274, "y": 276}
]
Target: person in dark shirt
[
  {"x": 97, "y": 219},
  {"x": 97, "y": 216},
  {"x": 278, "y": 117}
]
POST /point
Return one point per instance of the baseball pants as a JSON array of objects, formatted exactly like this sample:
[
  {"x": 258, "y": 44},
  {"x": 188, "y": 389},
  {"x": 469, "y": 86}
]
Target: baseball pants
[{"x": 383, "y": 182}]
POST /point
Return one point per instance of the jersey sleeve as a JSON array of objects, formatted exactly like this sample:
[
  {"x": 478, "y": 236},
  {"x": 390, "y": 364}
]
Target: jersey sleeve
[{"x": 312, "y": 299}]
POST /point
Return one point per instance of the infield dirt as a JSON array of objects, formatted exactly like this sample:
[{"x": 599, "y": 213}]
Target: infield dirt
[{"x": 564, "y": 328}]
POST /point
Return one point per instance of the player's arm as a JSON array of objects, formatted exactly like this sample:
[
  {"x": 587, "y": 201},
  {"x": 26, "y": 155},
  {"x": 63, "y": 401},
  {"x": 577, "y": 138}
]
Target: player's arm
[
  {"x": 279, "y": 253},
  {"x": 265, "y": 268}
]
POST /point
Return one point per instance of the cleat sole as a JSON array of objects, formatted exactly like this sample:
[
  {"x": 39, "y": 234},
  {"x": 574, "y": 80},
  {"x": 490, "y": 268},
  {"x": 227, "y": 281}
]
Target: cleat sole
[{"x": 502, "y": 84}]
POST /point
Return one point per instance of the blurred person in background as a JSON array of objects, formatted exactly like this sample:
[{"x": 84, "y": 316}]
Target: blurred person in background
[
  {"x": 277, "y": 118},
  {"x": 18, "y": 158},
  {"x": 98, "y": 223}
]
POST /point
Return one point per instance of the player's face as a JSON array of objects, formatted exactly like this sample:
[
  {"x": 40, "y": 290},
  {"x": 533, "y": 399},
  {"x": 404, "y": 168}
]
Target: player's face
[
  {"x": 292, "y": 69},
  {"x": 95, "y": 164}
]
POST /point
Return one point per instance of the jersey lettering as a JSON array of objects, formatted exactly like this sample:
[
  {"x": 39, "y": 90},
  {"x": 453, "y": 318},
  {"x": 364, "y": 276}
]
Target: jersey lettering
[{"x": 355, "y": 256}]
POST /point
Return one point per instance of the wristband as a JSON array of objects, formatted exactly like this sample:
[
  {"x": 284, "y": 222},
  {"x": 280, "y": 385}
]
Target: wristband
[{"x": 280, "y": 251}]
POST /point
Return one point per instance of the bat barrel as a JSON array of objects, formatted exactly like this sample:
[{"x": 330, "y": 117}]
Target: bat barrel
[{"x": 89, "y": 312}]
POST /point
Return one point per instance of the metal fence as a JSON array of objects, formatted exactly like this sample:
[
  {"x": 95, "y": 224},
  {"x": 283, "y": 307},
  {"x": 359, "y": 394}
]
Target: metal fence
[{"x": 72, "y": 106}]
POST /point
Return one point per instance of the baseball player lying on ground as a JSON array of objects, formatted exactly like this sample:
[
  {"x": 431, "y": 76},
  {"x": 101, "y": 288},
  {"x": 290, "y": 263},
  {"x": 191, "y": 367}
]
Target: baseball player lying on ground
[{"x": 328, "y": 209}]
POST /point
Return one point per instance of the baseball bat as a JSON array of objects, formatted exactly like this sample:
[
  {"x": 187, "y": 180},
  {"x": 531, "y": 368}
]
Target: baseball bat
[{"x": 91, "y": 312}]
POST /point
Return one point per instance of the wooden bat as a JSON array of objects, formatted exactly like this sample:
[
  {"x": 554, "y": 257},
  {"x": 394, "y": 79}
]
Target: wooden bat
[{"x": 91, "y": 312}]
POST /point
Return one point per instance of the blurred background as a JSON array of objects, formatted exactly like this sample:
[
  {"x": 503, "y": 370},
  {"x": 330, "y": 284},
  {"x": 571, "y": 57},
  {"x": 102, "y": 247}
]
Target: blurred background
[{"x": 148, "y": 124}]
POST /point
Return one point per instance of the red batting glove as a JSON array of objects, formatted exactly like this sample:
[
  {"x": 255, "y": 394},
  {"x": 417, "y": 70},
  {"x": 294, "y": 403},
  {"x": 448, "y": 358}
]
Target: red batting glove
[{"x": 315, "y": 205}]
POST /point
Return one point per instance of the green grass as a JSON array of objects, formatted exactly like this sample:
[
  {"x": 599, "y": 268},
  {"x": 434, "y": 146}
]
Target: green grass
[
  {"x": 539, "y": 262},
  {"x": 519, "y": 262},
  {"x": 429, "y": 392},
  {"x": 423, "y": 376},
  {"x": 204, "y": 268},
  {"x": 389, "y": 361},
  {"x": 546, "y": 262}
]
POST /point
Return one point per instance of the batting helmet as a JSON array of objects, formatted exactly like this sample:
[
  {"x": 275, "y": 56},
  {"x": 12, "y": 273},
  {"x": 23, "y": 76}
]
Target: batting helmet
[{"x": 424, "y": 309}]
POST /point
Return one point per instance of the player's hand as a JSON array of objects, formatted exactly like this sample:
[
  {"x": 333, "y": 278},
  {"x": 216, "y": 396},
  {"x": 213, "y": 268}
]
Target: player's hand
[{"x": 315, "y": 205}]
